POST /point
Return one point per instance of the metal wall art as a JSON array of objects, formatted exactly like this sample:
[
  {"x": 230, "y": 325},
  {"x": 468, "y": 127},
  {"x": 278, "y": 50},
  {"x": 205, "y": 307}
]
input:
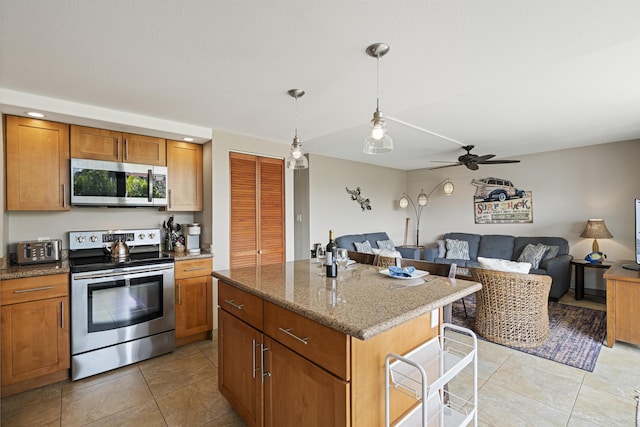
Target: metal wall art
[{"x": 355, "y": 195}]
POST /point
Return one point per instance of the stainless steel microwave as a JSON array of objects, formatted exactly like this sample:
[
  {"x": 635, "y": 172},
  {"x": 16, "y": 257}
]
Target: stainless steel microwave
[{"x": 102, "y": 183}]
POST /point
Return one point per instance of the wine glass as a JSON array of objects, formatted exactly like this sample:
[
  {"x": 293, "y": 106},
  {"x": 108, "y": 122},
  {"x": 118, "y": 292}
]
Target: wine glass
[
  {"x": 321, "y": 254},
  {"x": 342, "y": 258}
]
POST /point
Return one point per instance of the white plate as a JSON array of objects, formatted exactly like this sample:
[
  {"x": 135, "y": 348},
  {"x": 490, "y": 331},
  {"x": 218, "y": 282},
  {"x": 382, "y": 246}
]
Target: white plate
[{"x": 416, "y": 274}]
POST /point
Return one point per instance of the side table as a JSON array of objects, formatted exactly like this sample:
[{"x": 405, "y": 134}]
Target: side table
[{"x": 579, "y": 265}]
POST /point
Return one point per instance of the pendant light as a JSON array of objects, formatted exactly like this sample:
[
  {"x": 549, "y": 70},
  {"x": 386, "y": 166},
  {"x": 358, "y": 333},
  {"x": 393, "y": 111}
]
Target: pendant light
[
  {"x": 296, "y": 159},
  {"x": 378, "y": 141}
]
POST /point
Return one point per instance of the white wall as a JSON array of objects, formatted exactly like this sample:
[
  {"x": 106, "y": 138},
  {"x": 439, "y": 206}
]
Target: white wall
[
  {"x": 331, "y": 206},
  {"x": 569, "y": 187},
  {"x": 223, "y": 143}
]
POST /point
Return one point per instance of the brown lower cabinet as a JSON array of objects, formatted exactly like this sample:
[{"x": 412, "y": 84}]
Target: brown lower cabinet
[
  {"x": 193, "y": 300},
  {"x": 278, "y": 368},
  {"x": 34, "y": 332}
]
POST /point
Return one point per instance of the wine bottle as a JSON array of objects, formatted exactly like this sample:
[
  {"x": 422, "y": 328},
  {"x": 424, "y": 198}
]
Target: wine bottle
[
  {"x": 331, "y": 266},
  {"x": 332, "y": 247}
]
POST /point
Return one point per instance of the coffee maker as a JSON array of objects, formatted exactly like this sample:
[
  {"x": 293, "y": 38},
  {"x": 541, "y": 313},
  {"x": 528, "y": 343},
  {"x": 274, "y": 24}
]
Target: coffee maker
[{"x": 192, "y": 239}]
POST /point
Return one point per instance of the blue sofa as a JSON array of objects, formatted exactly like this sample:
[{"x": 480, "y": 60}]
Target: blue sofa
[
  {"x": 348, "y": 240},
  {"x": 510, "y": 247}
]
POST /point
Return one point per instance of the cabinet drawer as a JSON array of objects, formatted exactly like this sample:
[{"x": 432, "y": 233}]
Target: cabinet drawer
[
  {"x": 318, "y": 343},
  {"x": 241, "y": 304},
  {"x": 34, "y": 288},
  {"x": 193, "y": 268}
]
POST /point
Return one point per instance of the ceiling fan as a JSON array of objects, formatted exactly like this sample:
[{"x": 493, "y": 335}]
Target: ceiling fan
[{"x": 471, "y": 161}]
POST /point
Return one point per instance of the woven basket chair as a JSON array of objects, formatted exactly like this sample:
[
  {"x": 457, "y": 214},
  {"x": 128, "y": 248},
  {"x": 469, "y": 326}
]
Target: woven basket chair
[{"x": 512, "y": 308}]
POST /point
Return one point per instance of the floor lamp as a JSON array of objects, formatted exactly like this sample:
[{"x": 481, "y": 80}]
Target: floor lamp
[{"x": 423, "y": 199}]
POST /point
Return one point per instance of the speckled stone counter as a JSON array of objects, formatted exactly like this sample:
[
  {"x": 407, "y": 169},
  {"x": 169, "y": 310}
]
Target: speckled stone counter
[
  {"x": 181, "y": 256},
  {"x": 360, "y": 302},
  {"x": 20, "y": 272}
]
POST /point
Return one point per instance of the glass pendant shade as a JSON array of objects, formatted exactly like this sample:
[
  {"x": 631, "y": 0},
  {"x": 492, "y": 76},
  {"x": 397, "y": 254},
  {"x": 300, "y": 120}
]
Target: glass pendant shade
[
  {"x": 378, "y": 141},
  {"x": 297, "y": 159},
  {"x": 404, "y": 202},
  {"x": 422, "y": 199}
]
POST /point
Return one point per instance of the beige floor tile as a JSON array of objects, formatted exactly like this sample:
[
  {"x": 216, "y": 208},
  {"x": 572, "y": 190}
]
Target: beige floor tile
[
  {"x": 71, "y": 386},
  {"x": 613, "y": 373},
  {"x": 210, "y": 349},
  {"x": 178, "y": 373},
  {"x": 46, "y": 412},
  {"x": 490, "y": 357},
  {"x": 556, "y": 388},
  {"x": 603, "y": 409},
  {"x": 32, "y": 397},
  {"x": 499, "y": 407},
  {"x": 197, "y": 404},
  {"x": 101, "y": 400},
  {"x": 230, "y": 419},
  {"x": 145, "y": 415}
]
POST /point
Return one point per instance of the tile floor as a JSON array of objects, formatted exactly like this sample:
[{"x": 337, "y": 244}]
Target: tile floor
[{"x": 180, "y": 389}]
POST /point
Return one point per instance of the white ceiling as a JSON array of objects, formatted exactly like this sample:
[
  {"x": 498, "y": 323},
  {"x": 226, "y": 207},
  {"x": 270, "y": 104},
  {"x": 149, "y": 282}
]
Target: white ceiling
[{"x": 511, "y": 77}]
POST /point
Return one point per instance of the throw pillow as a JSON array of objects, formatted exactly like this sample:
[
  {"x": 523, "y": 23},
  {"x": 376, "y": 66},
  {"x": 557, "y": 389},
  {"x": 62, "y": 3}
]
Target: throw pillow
[
  {"x": 386, "y": 245},
  {"x": 533, "y": 254},
  {"x": 457, "y": 249},
  {"x": 504, "y": 265},
  {"x": 363, "y": 247},
  {"x": 442, "y": 251},
  {"x": 552, "y": 252}
]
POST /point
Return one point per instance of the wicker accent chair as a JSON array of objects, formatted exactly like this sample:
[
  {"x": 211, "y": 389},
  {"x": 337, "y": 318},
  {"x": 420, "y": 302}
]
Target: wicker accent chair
[{"x": 512, "y": 308}]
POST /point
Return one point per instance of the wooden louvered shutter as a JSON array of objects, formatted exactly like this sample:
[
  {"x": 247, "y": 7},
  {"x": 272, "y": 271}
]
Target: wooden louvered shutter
[{"x": 257, "y": 210}]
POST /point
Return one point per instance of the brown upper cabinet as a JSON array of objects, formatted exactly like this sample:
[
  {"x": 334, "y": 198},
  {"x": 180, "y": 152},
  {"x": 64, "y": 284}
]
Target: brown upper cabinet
[
  {"x": 102, "y": 144},
  {"x": 37, "y": 165},
  {"x": 184, "y": 180}
]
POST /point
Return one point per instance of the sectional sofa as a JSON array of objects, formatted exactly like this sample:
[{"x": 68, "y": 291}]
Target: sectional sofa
[{"x": 507, "y": 247}]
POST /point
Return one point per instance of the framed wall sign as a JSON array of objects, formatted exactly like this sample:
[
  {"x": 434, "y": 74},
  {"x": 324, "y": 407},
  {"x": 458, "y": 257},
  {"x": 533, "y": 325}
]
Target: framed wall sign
[{"x": 498, "y": 201}]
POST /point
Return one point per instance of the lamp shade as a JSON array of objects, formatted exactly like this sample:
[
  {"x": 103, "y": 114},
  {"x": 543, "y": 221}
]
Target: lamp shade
[
  {"x": 404, "y": 202},
  {"x": 448, "y": 188},
  {"x": 596, "y": 229}
]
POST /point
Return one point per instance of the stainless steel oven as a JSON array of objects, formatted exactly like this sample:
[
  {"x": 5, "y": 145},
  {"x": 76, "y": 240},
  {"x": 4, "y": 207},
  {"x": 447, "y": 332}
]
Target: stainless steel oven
[{"x": 122, "y": 311}]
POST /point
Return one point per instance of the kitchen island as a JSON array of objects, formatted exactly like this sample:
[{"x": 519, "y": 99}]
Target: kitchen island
[{"x": 297, "y": 347}]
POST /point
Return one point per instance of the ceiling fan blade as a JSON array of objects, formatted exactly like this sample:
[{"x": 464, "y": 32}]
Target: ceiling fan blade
[
  {"x": 472, "y": 165},
  {"x": 481, "y": 159},
  {"x": 495, "y": 162},
  {"x": 445, "y": 166}
]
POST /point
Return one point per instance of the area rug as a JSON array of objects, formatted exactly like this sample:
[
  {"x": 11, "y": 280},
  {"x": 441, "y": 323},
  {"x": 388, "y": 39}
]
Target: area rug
[{"x": 575, "y": 333}]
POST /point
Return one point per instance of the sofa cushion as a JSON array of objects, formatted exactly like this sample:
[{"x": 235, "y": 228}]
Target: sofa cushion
[
  {"x": 504, "y": 265},
  {"x": 457, "y": 249},
  {"x": 442, "y": 250},
  {"x": 533, "y": 254},
  {"x": 473, "y": 239},
  {"x": 496, "y": 246}
]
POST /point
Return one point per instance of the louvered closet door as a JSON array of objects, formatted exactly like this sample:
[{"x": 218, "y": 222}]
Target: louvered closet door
[{"x": 257, "y": 210}]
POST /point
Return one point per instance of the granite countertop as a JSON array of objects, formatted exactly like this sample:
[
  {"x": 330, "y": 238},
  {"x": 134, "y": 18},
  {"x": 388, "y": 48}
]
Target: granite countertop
[
  {"x": 11, "y": 271},
  {"x": 360, "y": 302},
  {"x": 22, "y": 271}
]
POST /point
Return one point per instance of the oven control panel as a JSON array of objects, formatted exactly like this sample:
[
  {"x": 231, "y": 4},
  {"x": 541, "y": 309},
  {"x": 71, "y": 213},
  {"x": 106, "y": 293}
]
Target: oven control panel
[{"x": 101, "y": 238}]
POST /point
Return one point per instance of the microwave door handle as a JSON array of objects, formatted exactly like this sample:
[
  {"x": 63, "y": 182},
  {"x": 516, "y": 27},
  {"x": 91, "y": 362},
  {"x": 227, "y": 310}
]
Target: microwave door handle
[{"x": 150, "y": 186}]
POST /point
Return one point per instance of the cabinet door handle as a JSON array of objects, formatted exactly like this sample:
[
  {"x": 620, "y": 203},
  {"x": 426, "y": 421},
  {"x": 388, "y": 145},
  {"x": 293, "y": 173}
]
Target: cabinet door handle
[
  {"x": 233, "y": 304},
  {"x": 62, "y": 315},
  {"x": 302, "y": 340},
  {"x": 179, "y": 295},
  {"x": 126, "y": 149},
  {"x": 118, "y": 148},
  {"x": 255, "y": 345},
  {"x": 262, "y": 371},
  {"x": 21, "y": 291},
  {"x": 260, "y": 252},
  {"x": 193, "y": 269},
  {"x": 64, "y": 195}
]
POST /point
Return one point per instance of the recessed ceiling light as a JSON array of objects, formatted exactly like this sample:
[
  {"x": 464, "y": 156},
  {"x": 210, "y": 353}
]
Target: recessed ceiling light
[
  {"x": 35, "y": 114},
  {"x": 187, "y": 139}
]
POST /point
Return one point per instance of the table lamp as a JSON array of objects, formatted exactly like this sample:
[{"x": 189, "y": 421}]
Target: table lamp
[{"x": 596, "y": 229}]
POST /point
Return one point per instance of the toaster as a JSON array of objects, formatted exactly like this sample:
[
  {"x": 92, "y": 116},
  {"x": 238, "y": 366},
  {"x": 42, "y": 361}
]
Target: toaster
[{"x": 38, "y": 251}]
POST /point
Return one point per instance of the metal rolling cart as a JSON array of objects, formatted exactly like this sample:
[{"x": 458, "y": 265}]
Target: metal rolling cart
[{"x": 425, "y": 374}]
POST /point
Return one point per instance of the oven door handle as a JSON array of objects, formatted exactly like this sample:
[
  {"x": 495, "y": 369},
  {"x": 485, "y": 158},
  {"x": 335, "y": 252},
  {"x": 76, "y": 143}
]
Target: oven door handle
[{"x": 121, "y": 272}]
